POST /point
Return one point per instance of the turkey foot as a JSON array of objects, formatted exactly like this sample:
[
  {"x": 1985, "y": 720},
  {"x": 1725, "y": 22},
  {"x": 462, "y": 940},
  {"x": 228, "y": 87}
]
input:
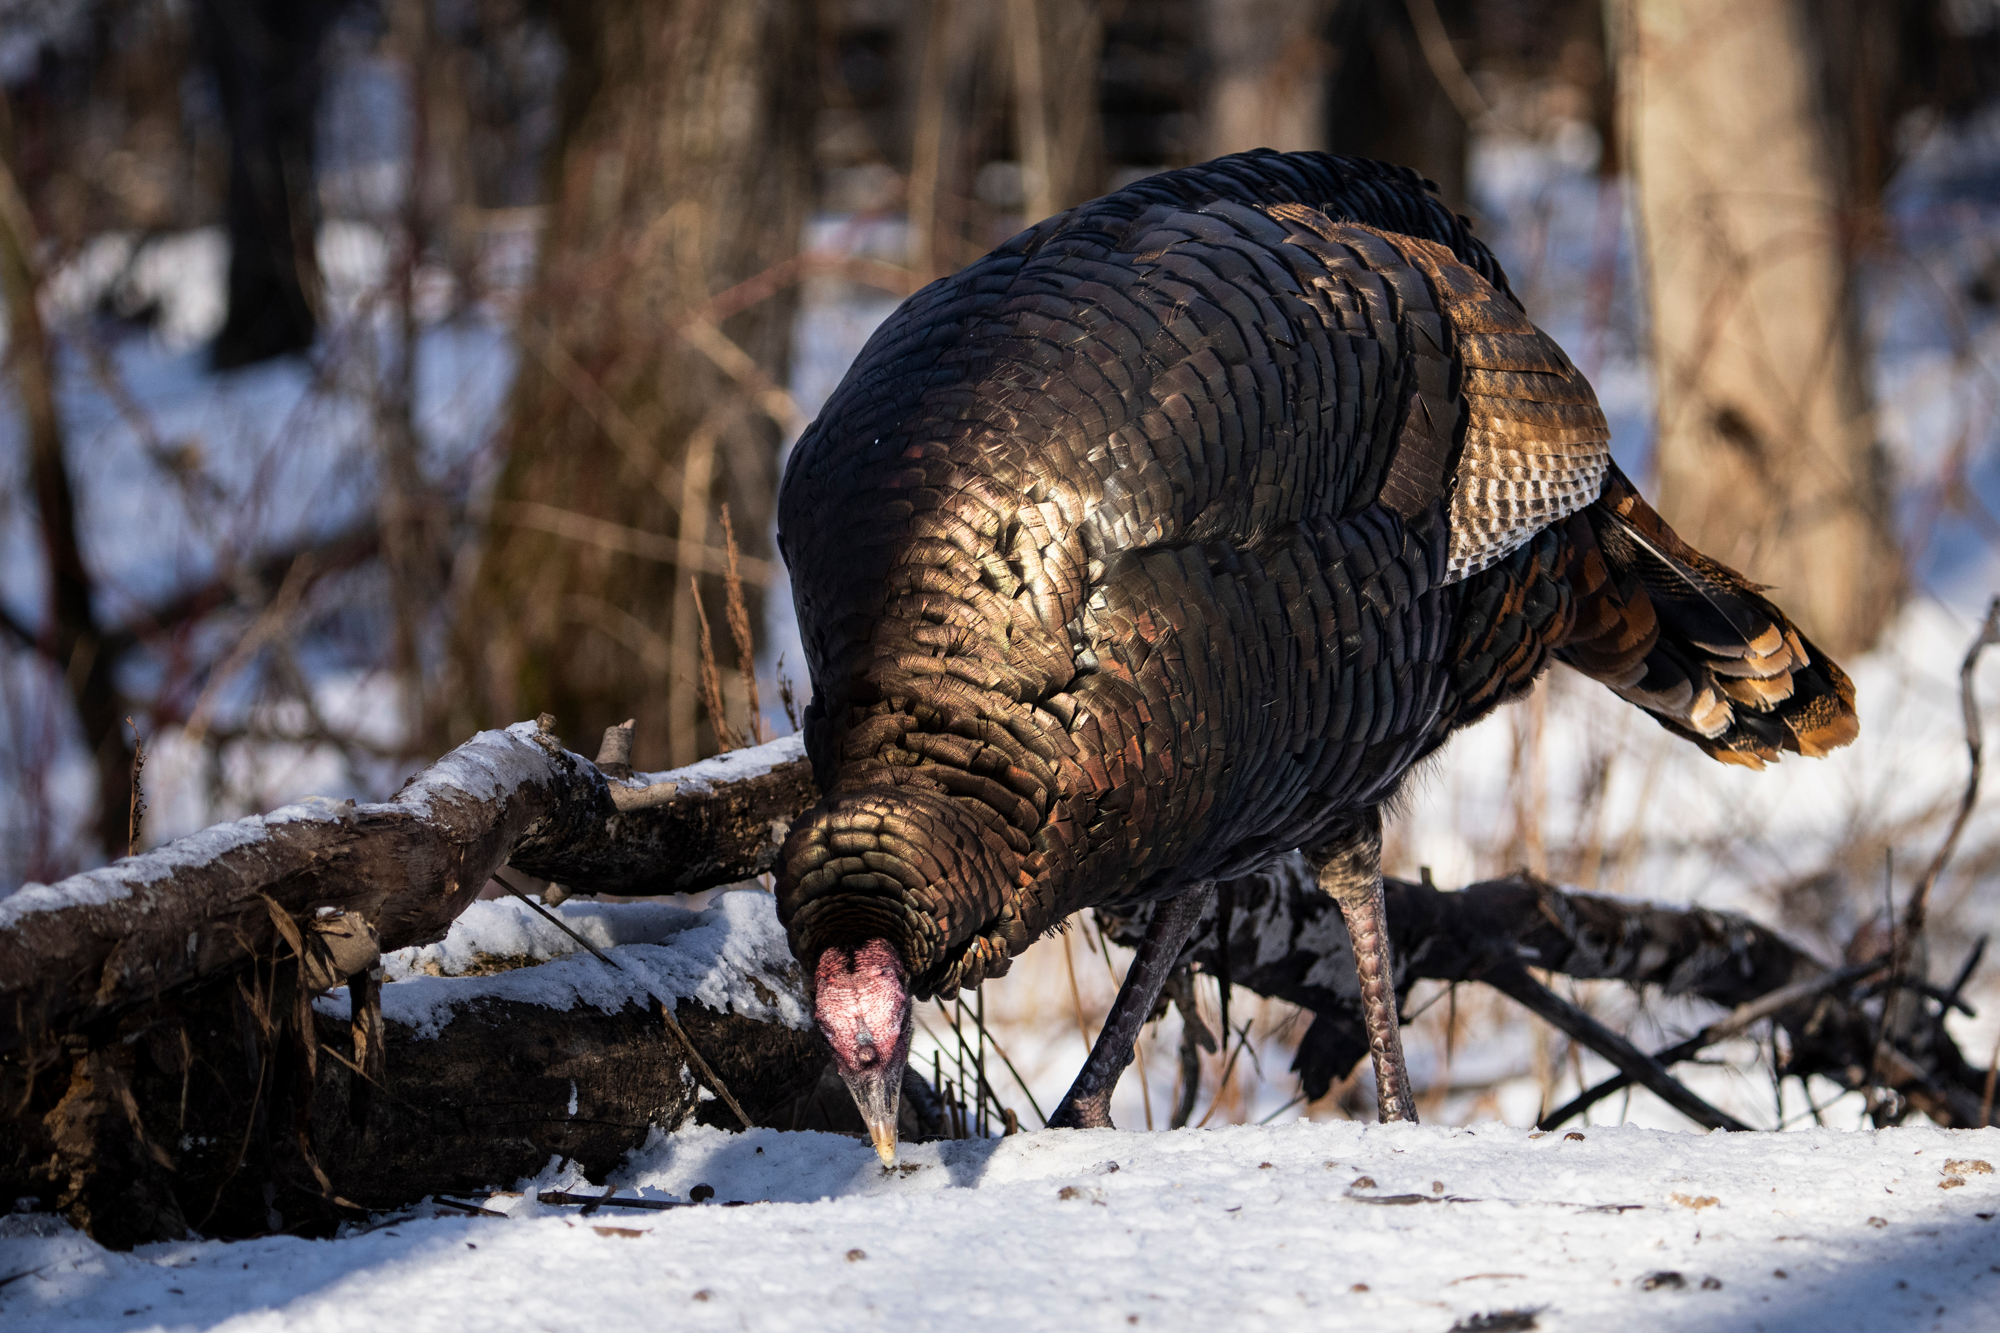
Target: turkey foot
[
  {"x": 1087, "y": 1105},
  {"x": 1350, "y": 872}
]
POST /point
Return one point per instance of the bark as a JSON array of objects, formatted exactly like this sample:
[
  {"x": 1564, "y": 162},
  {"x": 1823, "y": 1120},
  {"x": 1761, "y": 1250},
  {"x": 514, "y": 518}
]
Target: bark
[
  {"x": 71, "y": 638},
  {"x": 682, "y": 170},
  {"x": 265, "y": 58},
  {"x": 1768, "y": 457},
  {"x": 214, "y": 1116}
]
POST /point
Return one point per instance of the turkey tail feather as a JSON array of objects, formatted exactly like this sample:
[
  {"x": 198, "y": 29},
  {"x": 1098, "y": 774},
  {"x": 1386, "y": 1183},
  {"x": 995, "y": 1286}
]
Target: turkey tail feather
[{"x": 1693, "y": 642}]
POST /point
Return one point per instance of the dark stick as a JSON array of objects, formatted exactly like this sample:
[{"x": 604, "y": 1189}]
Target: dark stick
[
  {"x": 1508, "y": 976},
  {"x": 499, "y": 877},
  {"x": 1736, "y": 1021},
  {"x": 1989, "y": 633},
  {"x": 443, "y": 1202},
  {"x": 666, "y": 1012},
  {"x": 560, "y": 1198},
  {"x": 1001, "y": 1052},
  {"x": 707, "y": 1074}
]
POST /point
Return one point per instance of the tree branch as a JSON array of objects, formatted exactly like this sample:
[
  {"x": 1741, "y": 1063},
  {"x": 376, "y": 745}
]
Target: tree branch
[{"x": 1506, "y": 975}]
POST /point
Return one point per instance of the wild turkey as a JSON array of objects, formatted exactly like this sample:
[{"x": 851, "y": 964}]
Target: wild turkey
[{"x": 1166, "y": 539}]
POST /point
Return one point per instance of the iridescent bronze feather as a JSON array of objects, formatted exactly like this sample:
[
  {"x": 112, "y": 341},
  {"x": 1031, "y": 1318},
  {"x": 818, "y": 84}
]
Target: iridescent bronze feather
[{"x": 1170, "y": 535}]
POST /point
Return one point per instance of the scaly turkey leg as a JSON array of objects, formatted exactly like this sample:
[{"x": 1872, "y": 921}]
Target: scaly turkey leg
[
  {"x": 1087, "y": 1105},
  {"x": 1350, "y": 871}
]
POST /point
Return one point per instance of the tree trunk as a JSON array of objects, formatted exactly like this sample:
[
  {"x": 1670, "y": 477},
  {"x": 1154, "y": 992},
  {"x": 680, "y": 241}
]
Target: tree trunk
[
  {"x": 265, "y": 56},
  {"x": 1767, "y": 453},
  {"x": 1385, "y": 99},
  {"x": 639, "y": 406},
  {"x": 71, "y": 640},
  {"x": 1054, "y": 49},
  {"x": 1267, "y": 75}
]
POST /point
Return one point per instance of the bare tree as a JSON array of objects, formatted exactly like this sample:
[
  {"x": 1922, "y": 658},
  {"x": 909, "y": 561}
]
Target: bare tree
[
  {"x": 1767, "y": 447},
  {"x": 265, "y": 56},
  {"x": 649, "y": 390}
]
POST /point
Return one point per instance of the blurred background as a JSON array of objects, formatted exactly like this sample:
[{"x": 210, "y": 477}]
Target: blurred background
[{"x": 380, "y": 370}]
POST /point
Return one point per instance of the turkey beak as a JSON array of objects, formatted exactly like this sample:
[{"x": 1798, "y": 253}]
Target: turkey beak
[{"x": 878, "y": 1093}]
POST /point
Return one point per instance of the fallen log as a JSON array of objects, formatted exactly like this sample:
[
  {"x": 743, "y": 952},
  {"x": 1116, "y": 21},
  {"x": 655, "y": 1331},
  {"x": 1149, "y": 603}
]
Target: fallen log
[
  {"x": 506, "y": 1049},
  {"x": 165, "y": 1063},
  {"x": 78, "y": 955}
]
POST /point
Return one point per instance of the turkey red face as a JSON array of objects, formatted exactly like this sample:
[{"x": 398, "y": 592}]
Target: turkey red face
[{"x": 862, "y": 1003}]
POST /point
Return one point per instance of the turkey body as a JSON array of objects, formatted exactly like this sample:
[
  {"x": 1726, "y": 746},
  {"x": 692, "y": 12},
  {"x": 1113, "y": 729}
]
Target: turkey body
[{"x": 1169, "y": 536}]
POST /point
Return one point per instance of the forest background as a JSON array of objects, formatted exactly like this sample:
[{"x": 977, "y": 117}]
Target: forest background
[{"x": 384, "y": 370}]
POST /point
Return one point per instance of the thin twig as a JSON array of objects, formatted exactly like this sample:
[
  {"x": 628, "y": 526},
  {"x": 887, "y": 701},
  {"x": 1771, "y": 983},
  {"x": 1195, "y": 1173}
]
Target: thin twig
[
  {"x": 564, "y": 1198},
  {"x": 473, "y": 1208},
  {"x": 739, "y": 630},
  {"x": 1002, "y": 1053},
  {"x": 554, "y": 920},
  {"x": 1075, "y": 993},
  {"x": 589, "y": 530},
  {"x": 1508, "y": 976},
  {"x": 1738, "y": 1020},
  {"x": 138, "y": 809},
  {"x": 701, "y": 1066},
  {"x": 1989, "y": 634},
  {"x": 1228, "y": 1069},
  {"x": 1445, "y": 65},
  {"x": 983, "y": 1093},
  {"x": 707, "y": 1074},
  {"x": 711, "y": 680},
  {"x": 1282, "y": 1109}
]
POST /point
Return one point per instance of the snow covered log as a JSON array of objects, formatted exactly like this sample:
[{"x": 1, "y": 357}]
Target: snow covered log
[
  {"x": 506, "y": 1046},
  {"x": 78, "y": 954}
]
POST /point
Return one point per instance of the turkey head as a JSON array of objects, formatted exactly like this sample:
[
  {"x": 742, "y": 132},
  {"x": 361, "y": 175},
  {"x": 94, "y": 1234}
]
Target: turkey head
[{"x": 861, "y": 1000}]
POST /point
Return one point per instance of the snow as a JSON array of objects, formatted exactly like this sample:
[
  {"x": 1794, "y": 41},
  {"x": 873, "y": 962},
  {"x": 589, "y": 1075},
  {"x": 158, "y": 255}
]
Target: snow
[
  {"x": 699, "y": 779},
  {"x": 491, "y": 764},
  {"x": 94, "y": 888},
  {"x": 1329, "y": 1226},
  {"x": 732, "y": 956}
]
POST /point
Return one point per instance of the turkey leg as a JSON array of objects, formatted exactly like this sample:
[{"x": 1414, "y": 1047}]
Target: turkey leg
[
  {"x": 1087, "y": 1104},
  {"x": 1349, "y": 869}
]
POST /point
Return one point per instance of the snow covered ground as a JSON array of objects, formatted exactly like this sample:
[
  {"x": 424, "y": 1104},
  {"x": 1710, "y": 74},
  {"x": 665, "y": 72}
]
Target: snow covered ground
[{"x": 1323, "y": 1226}]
